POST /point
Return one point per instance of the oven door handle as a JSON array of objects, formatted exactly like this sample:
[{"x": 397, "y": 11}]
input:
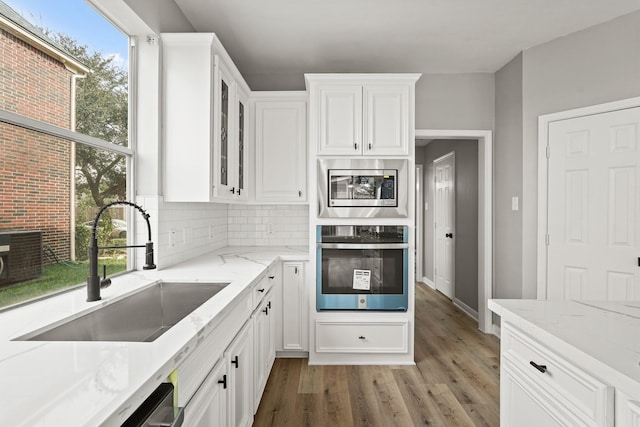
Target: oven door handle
[{"x": 362, "y": 245}]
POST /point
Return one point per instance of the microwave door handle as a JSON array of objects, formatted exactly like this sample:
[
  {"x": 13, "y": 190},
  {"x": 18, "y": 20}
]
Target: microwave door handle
[{"x": 363, "y": 245}]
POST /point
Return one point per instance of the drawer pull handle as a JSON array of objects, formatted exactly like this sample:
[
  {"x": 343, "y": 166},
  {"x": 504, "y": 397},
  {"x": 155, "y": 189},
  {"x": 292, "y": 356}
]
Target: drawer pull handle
[
  {"x": 260, "y": 290},
  {"x": 541, "y": 368},
  {"x": 235, "y": 362},
  {"x": 223, "y": 381},
  {"x": 361, "y": 337},
  {"x": 272, "y": 277}
]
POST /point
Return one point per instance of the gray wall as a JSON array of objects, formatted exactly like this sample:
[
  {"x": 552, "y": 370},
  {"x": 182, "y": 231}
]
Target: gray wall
[
  {"x": 507, "y": 181},
  {"x": 466, "y": 227},
  {"x": 455, "y": 101},
  {"x": 593, "y": 66}
]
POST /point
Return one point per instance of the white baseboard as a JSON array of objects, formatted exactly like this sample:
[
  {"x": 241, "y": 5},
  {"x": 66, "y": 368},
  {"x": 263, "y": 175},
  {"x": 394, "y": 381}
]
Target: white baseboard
[
  {"x": 428, "y": 282},
  {"x": 464, "y": 307},
  {"x": 292, "y": 354}
]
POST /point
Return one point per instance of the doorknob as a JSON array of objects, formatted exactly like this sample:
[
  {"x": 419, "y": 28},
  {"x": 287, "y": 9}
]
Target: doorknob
[{"x": 449, "y": 235}]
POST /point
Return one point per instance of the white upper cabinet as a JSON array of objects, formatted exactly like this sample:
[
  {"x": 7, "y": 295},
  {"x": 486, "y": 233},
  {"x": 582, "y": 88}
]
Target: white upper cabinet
[
  {"x": 362, "y": 114},
  {"x": 340, "y": 119},
  {"x": 281, "y": 146},
  {"x": 205, "y": 117}
]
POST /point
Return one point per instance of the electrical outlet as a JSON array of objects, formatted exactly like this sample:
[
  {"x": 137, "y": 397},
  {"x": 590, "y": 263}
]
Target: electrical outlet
[{"x": 514, "y": 203}]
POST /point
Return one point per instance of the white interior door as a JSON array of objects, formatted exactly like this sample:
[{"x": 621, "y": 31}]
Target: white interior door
[
  {"x": 594, "y": 207},
  {"x": 444, "y": 200}
]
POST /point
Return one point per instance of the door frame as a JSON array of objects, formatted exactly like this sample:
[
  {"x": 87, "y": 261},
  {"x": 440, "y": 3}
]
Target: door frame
[
  {"x": 419, "y": 262},
  {"x": 543, "y": 175},
  {"x": 485, "y": 213},
  {"x": 452, "y": 155}
]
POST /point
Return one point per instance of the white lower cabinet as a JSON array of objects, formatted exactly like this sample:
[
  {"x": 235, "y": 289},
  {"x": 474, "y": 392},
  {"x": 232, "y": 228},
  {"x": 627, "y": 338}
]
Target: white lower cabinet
[
  {"x": 208, "y": 407},
  {"x": 541, "y": 388},
  {"x": 295, "y": 310},
  {"x": 239, "y": 360},
  {"x": 627, "y": 409},
  {"x": 264, "y": 323}
]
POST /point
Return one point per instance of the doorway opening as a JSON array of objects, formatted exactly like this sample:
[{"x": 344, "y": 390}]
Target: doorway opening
[{"x": 484, "y": 142}]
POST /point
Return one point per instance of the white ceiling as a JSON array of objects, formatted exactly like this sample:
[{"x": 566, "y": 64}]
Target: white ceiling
[{"x": 275, "y": 42}]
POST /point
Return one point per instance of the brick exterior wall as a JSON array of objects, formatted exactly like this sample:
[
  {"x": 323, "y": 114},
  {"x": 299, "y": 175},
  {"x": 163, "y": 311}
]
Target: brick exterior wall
[{"x": 35, "y": 169}]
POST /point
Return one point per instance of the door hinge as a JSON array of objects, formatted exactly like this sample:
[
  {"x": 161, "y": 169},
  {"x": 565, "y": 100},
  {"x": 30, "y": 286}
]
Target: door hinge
[
  {"x": 546, "y": 239},
  {"x": 548, "y": 151}
]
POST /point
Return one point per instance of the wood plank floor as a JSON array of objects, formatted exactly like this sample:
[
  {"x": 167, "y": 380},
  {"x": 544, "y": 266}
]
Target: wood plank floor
[{"x": 455, "y": 381}]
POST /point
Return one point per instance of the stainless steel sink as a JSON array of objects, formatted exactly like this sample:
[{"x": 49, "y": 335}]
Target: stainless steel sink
[{"x": 140, "y": 317}]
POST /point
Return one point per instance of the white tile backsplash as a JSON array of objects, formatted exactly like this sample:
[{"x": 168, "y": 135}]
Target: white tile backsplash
[
  {"x": 181, "y": 231},
  {"x": 268, "y": 225},
  {"x": 187, "y": 230}
]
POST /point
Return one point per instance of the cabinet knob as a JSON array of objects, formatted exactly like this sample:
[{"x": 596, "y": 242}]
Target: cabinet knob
[
  {"x": 541, "y": 368},
  {"x": 369, "y": 146},
  {"x": 299, "y": 193},
  {"x": 355, "y": 146},
  {"x": 361, "y": 337}
]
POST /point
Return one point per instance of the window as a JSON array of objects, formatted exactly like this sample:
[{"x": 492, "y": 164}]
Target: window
[{"x": 64, "y": 144}]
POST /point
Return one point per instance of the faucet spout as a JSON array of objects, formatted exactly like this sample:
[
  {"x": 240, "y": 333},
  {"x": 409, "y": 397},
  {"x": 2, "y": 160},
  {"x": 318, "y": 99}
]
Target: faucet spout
[{"x": 94, "y": 283}]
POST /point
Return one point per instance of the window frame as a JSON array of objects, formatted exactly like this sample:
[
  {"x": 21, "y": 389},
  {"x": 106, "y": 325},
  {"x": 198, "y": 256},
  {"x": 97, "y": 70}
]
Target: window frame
[{"x": 79, "y": 138}]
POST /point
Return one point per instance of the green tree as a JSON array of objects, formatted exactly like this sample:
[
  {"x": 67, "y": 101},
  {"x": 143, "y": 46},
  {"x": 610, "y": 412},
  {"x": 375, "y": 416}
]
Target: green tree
[{"x": 101, "y": 112}]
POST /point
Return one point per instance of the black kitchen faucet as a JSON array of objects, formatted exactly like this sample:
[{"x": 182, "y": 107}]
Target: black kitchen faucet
[{"x": 94, "y": 283}]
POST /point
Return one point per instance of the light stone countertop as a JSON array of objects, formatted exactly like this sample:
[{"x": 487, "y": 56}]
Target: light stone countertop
[
  {"x": 101, "y": 383},
  {"x": 603, "y": 335}
]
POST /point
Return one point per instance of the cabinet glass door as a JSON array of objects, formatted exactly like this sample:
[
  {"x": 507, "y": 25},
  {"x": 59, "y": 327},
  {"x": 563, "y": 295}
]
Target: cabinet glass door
[
  {"x": 240, "y": 150},
  {"x": 224, "y": 132}
]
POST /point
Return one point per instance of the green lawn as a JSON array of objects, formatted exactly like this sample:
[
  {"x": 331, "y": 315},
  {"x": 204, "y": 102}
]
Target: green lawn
[{"x": 55, "y": 277}]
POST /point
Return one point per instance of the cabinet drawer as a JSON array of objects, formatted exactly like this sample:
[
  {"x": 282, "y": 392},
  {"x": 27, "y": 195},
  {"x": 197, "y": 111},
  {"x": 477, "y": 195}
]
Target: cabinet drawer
[
  {"x": 585, "y": 396},
  {"x": 263, "y": 286},
  {"x": 369, "y": 337}
]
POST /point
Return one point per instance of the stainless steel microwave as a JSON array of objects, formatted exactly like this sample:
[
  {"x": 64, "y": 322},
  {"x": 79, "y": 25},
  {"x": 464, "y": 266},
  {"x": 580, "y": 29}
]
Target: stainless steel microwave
[{"x": 362, "y": 188}]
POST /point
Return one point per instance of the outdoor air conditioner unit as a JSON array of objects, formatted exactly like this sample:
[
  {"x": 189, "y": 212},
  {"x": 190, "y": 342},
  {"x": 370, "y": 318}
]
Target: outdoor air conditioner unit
[{"x": 20, "y": 256}]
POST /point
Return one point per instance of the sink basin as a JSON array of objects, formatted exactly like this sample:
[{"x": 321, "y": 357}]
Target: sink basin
[{"x": 140, "y": 317}]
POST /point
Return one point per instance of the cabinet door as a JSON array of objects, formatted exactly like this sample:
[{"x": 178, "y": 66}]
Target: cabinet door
[
  {"x": 264, "y": 349},
  {"x": 225, "y": 136},
  {"x": 208, "y": 407},
  {"x": 523, "y": 404},
  {"x": 294, "y": 308},
  {"x": 281, "y": 151},
  {"x": 340, "y": 120},
  {"x": 386, "y": 120},
  {"x": 239, "y": 359},
  {"x": 241, "y": 156},
  {"x": 187, "y": 83}
]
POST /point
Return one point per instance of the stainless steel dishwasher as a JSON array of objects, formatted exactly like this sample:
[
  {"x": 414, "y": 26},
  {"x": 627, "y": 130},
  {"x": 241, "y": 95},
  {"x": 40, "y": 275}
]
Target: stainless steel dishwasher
[{"x": 157, "y": 410}]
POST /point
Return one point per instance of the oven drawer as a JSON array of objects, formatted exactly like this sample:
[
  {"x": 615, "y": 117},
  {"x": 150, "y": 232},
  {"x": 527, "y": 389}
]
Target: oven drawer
[{"x": 362, "y": 337}]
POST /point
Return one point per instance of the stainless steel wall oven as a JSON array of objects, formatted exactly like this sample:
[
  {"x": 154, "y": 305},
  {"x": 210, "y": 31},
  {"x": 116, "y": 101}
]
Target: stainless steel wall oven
[{"x": 362, "y": 267}]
